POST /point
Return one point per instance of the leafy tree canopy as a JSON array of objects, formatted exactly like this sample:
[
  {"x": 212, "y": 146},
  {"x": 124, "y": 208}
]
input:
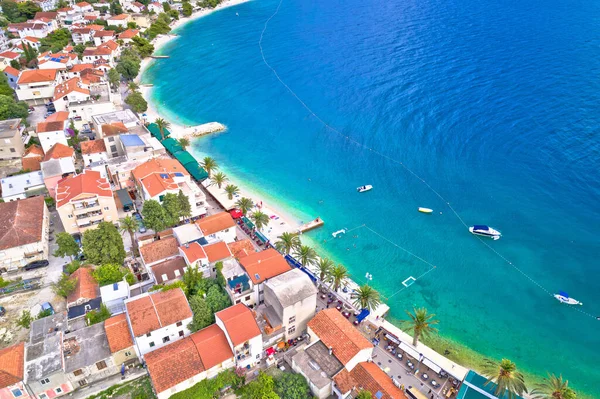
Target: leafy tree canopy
[
  {"x": 9, "y": 108},
  {"x": 64, "y": 286},
  {"x": 154, "y": 215},
  {"x": 137, "y": 102},
  {"x": 55, "y": 41},
  {"x": 109, "y": 273},
  {"x": 97, "y": 315},
  {"x": 104, "y": 245},
  {"x": 292, "y": 386},
  {"x": 67, "y": 246},
  {"x": 203, "y": 316},
  {"x": 261, "y": 388},
  {"x": 142, "y": 46}
]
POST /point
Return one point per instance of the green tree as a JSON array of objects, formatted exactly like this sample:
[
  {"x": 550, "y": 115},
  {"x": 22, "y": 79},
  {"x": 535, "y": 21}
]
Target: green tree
[
  {"x": 64, "y": 286},
  {"x": 366, "y": 297},
  {"x": 29, "y": 52},
  {"x": 420, "y": 323},
  {"x": 67, "y": 246},
  {"x": 216, "y": 299},
  {"x": 260, "y": 219},
  {"x": 292, "y": 386},
  {"x": 56, "y": 40},
  {"x": 192, "y": 278},
  {"x": 187, "y": 9},
  {"x": 79, "y": 49},
  {"x": 244, "y": 204},
  {"x": 220, "y": 278},
  {"x": 132, "y": 86},
  {"x": 185, "y": 209},
  {"x": 168, "y": 287},
  {"x": 219, "y": 179},
  {"x": 364, "y": 395},
  {"x": 24, "y": 321},
  {"x": 109, "y": 273},
  {"x": 28, "y": 9},
  {"x": 154, "y": 215},
  {"x": 115, "y": 8},
  {"x": 172, "y": 207},
  {"x": 166, "y": 7},
  {"x": 209, "y": 165},
  {"x": 211, "y": 387},
  {"x": 103, "y": 245},
  {"x": 162, "y": 124},
  {"x": 203, "y": 316},
  {"x": 159, "y": 27},
  {"x": 174, "y": 14},
  {"x": 231, "y": 190},
  {"x": 142, "y": 46},
  {"x": 11, "y": 11},
  {"x": 44, "y": 313},
  {"x": 73, "y": 266},
  {"x": 261, "y": 388},
  {"x": 184, "y": 142},
  {"x": 306, "y": 255},
  {"x": 553, "y": 387},
  {"x": 504, "y": 374},
  {"x": 10, "y": 109},
  {"x": 128, "y": 67},
  {"x": 130, "y": 225},
  {"x": 288, "y": 242},
  {"x": 97, "y": 315},
  {"x": 137, "y": 102},
  {"x": 324, "y": 266},
  {"x": 114, "y": 78},
  {"x": 16, "y": 64},
  {"x": 338, "y": 277}
]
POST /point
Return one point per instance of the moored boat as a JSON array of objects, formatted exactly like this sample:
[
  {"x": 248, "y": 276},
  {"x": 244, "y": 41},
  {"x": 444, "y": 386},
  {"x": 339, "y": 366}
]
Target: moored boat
[
  {"x": 485, "y": 231},
  {"x": 563, "y": 297},
  {"x": 363, "y": 189},
  {"x": 425, "y": 210}
]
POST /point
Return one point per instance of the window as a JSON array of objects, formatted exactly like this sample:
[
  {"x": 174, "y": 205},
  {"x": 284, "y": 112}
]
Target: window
[
  {"x": 16, "y": 392},
  {"x": 82, "y": 383},
  {"x": 238, "y": 301},
  {"x": 181, "y": 333},
  {"x": 258, "y": 356},
  {"x": 179, "y": 324},
  {"x": 43, "y": 396},
  {"x": 127, "y": 353},
  {"x": 111, "y": 139},
  {"x": 152, "y": 344},
  {"x": 13, "y": 150},
  {"x": 166, "y": 339},
  {"x": 77, "y": 372},
  {"x": 113, "y": 148},
  {"x": 226, "y": 230},
  {"x": 70, "y": 216},
  {"x": 148, "y": 334},
  {"x": 247, "y": 298},
  {"x": 177, "y": 273},
  {"x": 292, "y": 330},
  {"x": 106, "y": 208},
  {"x": 58, "y": 390},
  {"x": 292, "y": 320},
  {"x": 101, "y": 365},
  {"x": 164, "y": 277},
  {"x": 45, "y": 381}
]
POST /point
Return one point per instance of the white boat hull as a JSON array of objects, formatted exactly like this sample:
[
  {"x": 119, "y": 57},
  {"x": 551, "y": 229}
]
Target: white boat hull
[
  {"x": 491, "y": 233},
  {"x": 364, "y": 189},
  {"x": 566, "y": 300},
  {"x": 425, "y": 210}
]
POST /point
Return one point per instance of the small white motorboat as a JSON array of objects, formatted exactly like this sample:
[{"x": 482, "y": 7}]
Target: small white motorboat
[
  {"x": 337, "y": 233},
  {"x": 363, "y": 189},
  {"x": 563, "y": 297},
  {"x": 425, "y": 210},
  {"x": 486, "y": 231}
]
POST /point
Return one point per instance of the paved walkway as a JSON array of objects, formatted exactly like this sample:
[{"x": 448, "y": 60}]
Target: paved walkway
[{"x": 100, "y": 386}]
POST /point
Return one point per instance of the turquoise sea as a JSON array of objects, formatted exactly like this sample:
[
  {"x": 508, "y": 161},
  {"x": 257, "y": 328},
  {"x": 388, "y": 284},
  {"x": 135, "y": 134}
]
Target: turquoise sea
[{"x": 495, "y": 105}]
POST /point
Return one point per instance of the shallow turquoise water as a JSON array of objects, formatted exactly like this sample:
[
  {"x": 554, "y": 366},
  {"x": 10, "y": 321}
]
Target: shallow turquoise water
[{"x": 495, "y": 105}]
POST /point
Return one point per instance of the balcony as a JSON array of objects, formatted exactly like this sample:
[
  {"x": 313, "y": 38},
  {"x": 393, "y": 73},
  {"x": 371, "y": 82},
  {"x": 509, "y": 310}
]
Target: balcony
[
  {"x": 238, "y": 285},
  {"x": 85, "y": 207},
  {"x": 89, "y": 214},
  {"x": 85, "y": 222}
]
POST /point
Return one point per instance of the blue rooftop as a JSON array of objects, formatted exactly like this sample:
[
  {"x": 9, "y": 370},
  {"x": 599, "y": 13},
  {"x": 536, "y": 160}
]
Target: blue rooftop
[
  {"x": 474, "y": 387},
  {"x": 131, "y": 140}
]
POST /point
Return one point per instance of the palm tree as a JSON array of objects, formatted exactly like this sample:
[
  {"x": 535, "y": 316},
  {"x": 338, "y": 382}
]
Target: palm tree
[
  {"x": 132, "y": 86},
  {"x": 231, "y": 190},
  {"x": 130, "y": 225},
  {"x": 366, "y": 297},
  {"x": 260, "y": 219},
  {"x": 554, "y": 387},
  {"x": 420, "y": 323},
  {"x": 288, "y": 242},
  {"x": 324, "y": 266},
  {"x": 364, "y": 395},
  {"x": 506, "y": 376},
  {"x": 306, "y": 255},
  {"x": 162, "y": 126},
  {"x": 338, "y": 277},
  {"x": 184, "y": 142},
  {"x": 219, "y": 179},
  {"x": 244, "y": 204},
  {"x": 209, "y": 165}
]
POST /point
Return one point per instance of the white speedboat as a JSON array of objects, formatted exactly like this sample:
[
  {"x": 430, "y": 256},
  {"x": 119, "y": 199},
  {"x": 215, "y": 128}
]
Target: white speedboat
[
  {"x": 425, "y": 210},
  {"x": 485, "y": 231},
  {"x": 362, "y": 189},
  {"x": 563, "y": 297}
]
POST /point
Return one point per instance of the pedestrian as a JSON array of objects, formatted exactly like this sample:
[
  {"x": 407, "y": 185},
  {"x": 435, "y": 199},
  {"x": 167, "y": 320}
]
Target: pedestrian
[{"x": 430, "y": 391}]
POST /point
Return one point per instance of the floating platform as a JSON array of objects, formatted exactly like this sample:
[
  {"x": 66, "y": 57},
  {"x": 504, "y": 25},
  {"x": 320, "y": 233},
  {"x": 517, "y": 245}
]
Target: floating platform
[{"x": 313, "y": 224}]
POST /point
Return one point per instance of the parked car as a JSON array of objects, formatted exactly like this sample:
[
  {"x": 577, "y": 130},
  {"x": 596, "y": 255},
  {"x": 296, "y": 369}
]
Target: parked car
[
  {"x": 138, "y": 217},
  {"x": 2, "y": 311},
  {"x": 37, "y": 264},
  {"x": 47, "y": 306}
]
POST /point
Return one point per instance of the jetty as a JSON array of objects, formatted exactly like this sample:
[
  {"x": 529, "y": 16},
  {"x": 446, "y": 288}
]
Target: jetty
[
  {"x": 204, "y": 129},
  {"x": 313, "y": 224},
  {"x": 160, "y": 56}
]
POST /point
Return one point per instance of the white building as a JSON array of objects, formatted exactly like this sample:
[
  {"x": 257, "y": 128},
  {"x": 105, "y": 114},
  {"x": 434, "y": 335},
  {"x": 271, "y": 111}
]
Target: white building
[
  {"x": 93, "y": 151},
  {"x": 21, "y": 186},
  {"x": 36, "y": 86},
  {"x": 114, "y": 296},
  {"x": 195, "y": 257},
  {"x": 262, "y": 266},
  {"x": 51, "y": 133},
  {"x": 119, "y": 20},
  {"x": 243, "y": 334},
  {"x": 218, "y": 227}
]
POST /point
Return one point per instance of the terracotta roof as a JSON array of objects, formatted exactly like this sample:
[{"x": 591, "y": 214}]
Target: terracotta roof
[
  {"x": 34, "y": 150},
  {"x": 73, "y": 85},
  {"x": 111, "y": 129},
  {"x": 159, "y": 250},
  {"x": 212, "y": 346},
  {"x": 10, "y": 54},
  {"x": 215, "y": 223},
  {"x": 90, "y": 182},
  {"x": 160, "y": 363},
  {"x": 12, "y": 365},
  {"x": 49, "y": 15},
  {"x": 58, "y": 151},
  {"x": 32, "y": 158},
  {"x": 337, "y": 333},
  {"x": 158, "y": 165},
  {"x": 158, "y": 309},
  {"x": 217, "y": 251},
  {"x": 86, "y": 287},
  {"x": 193, "y": 252},
  {"x": 129, "y": 33},
  {"x": 263, "y": 265},
  {"x": 45, "y": 127},
  {"x": 368, "y": 376},
  {"x": 83, "y": 4},
  {"x": 239, "y": 323},
  {"x": 104, "y": 33},
  {"x": 157, "y": 183},
  {"x": 81, "y": 67},
  {"x": 31, "y": 38},
  {"x": 241, "y": 248},
  {"x": 92, "y": 147},
  {"x": 21, "y": 222},
  {"x": 119, "y": 17},
  {"x": 117, "y": 333},
  {"x": 58, "y": 116},
  {"x": 11, "y": 71},
  {"x": 37, "y": 75},
  {"x": 167, "y": 268}
]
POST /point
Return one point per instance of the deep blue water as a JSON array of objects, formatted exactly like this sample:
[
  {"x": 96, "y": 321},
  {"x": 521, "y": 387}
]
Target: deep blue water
[{"x": 494, "y": 104}]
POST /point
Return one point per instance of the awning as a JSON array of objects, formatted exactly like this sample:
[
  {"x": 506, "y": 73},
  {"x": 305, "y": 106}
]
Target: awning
[
  {"x": 236, "y": 213},
  {"x": 393, "y": 339},
  {"x": 247, "y": 222},
  {"x": 362, "y": 315},
  {"x": 172, "y": 145},
  {"x": 261, "y": 236},
  {"x": 410, "y": 350},
  {"x": 270, "y": 351},
  {"x": 185, "y": 157},
  {"x": 155, "y": 131},
  {"x": 432, "y": 365},
  {"x": 196, "y": 171},
  {"x": 125, "y": 198}
]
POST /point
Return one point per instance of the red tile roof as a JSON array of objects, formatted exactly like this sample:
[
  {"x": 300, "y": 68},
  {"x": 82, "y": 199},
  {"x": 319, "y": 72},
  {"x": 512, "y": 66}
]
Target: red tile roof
[
  {"x": 21, "y": 222},
  {"x": 12, "y": 365},
  {"x": 212, "y": 346},
  {"x": 158, "y": 165},
  {"x": 92, "y": 147},
  {"x": 264, "y": 265},
  {"x": 217, "y": 251},
  {"x": 73, "y": 85},
  {"x": 168, "y": 269},
  {"x": 10, "y": 54},
  {"x": 58, "y": 116},
  {"x": 241, "y": 248},
  {"x": 173, "y": 364},
  {"x": 117, "y": 333},
  {"x": 81, "y": 67},
  {"x": 119, "y": 17},
  {"x": 11, "y": 71},
  {"x": 369, "y": 377},
  {"x": 37, "y": 76},
  {"x": 86, "y": 287},
  {"x": 45, "y": 127},
  {"x": 239, "y": 323},
  {"x": 111, "y": 129},
  {"x": 31, "y": 38},
  {"x": 159, "y": 250},
  {"x": 337, "y": 333},
  {"x": 158, "y": 183},
  {"x": 158, "y": 309},
  {"x": 90, "y": 182},
  {"x": 215, "y": 223},
  {"x": 129, "y": 33},
  {"x": 32, "y": 158},
  {"x": 34, "y": 150},
  {"x": 193, "y": 252},
  {"x": 58, "y": 151}
]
